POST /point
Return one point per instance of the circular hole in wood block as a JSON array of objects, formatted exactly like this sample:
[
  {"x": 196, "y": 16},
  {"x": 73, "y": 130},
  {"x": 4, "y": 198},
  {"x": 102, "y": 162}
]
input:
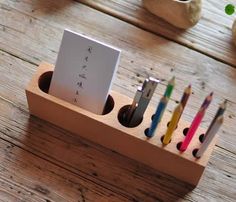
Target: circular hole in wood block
[
  {"x": 195, "y": 152},
  {"x": 169, "y": 124},
  {"x": 179, "y": 145},
  {"x": 146, "y": 132},
  {"x": 162, "y": 138},
  {"x": 185, "y": 131},
  {"x": 152, "y": 117},
  {"x": 201, "y": 138},
  {"x": 109, "y": 105},
  {"x": 122, "y": 117},
  {"x": 44, "y": 81}
]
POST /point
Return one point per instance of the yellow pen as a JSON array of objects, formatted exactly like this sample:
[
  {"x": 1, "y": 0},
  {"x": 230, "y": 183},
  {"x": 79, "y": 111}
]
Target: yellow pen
[{"x": 173, "y": 123}]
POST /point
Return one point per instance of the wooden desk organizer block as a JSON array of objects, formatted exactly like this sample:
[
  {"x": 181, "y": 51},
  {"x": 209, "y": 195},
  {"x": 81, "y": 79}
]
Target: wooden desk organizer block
[{"x": 106, "y": 130}]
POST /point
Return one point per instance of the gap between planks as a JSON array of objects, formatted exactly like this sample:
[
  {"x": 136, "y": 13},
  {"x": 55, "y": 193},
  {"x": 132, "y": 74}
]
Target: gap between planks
[
  {"x": 25, "y": 110},
  {"x": 115, "y": 21},
  {"x": 109, "y": 11},
  {"x": 38, "y": 153}
]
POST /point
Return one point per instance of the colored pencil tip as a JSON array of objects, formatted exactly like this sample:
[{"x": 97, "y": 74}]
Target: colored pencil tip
[
  {"x": 172, "y": 81},
  {"x": 188, "y": 89},
  {"x": 220, "y": 119},
  {"x": 164, "y": 99},
  {"x": 223, "y": 104}
]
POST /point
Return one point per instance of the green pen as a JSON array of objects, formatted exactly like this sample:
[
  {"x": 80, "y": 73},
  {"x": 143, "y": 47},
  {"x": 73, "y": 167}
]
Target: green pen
[{"x": 170, "y": 87}]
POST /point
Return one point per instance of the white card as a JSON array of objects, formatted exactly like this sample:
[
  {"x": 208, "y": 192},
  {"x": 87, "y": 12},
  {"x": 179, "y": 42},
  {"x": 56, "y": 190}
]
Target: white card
[{"x": 84, "y": 71}]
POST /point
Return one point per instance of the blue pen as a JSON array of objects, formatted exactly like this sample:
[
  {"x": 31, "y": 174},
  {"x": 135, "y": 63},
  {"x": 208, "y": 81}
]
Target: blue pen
[{"x": 157, "y": 116}]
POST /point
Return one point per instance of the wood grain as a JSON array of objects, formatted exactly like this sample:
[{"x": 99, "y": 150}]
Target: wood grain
[
  {"x": 49, "y": 160},
  {"x": 143, "y": 54},
  {"x": 80, "y": 157},
  {"x": 107, "y": 131},
  {"x": 27, "y": 177},
  {"x": 211, "y": 36},
  {"x": 41, "y": 161}
]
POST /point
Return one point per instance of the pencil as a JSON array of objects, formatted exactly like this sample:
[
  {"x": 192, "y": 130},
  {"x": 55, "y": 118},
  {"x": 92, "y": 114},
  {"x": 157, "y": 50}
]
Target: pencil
[
  {"x": 173, "y": 123},
  {"x": 158, "y": 115},
  {"x": 170, "y": 87},
  {"x": 185, "y": 97},
  {"x": 196, "y": 122},
  {"x": 191, "y": 131},
  {"x": 219, "y": 112},
  {"x": 207, "y": 101},
  {"x": 210, "y": 135}
]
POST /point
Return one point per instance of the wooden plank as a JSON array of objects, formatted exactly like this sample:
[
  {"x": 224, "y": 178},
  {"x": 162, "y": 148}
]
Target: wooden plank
[
  {"x": 59, "y": 147},
  {"x": 10, "y": 191},
  {"x": 27, "y": 177},
  {"x": 122, "y": 176},
  {"x": 211, "y": 36},
  {"x": 108, "y": 132},
  {"x": 75, "y": 161},
  {"x": 35, "y": 36},
  {"x": 87, "y": 161}
]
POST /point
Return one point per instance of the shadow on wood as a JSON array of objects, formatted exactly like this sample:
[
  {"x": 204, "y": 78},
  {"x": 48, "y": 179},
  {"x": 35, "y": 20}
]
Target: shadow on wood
[
  {"x": 92, "y": 164},
  {"x": 50, "y": 7}
]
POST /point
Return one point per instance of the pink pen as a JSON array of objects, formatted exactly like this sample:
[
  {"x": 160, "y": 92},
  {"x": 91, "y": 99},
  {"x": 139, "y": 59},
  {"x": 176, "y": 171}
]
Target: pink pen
[{"x": 194, "y": 126}]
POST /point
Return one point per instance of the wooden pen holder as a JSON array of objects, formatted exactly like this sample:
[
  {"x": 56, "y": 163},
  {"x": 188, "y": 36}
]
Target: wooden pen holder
[{"x": 106, "y": 130}]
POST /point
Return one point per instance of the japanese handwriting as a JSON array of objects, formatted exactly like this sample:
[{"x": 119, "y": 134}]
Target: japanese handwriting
[{"x": 82, "y": 73}]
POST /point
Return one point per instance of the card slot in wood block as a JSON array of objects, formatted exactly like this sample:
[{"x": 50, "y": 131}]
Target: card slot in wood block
[{"x": 106, "y": 130}]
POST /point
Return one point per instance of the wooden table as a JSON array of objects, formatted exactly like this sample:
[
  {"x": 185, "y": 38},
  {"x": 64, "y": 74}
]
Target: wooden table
[{"x": 41, "y": 162}]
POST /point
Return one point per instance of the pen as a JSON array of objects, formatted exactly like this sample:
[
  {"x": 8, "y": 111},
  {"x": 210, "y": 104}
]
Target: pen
[
  {"x": 148, "y": 89},
  {"x": 134, "y": 104}
]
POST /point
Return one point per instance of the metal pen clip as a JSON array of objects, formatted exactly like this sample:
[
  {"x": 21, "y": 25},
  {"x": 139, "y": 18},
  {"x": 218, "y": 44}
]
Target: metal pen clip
[
  {"x": 134, "y": 104},
  {"x": 148, "y": 89}
]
